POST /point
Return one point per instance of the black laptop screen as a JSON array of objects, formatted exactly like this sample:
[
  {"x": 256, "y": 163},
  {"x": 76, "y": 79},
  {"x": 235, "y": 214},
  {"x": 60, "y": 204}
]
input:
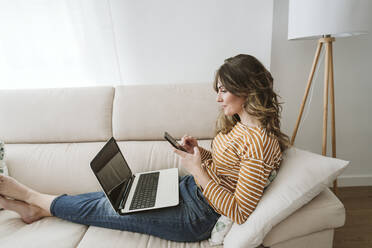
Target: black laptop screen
[{"x": 114, "y": 173}]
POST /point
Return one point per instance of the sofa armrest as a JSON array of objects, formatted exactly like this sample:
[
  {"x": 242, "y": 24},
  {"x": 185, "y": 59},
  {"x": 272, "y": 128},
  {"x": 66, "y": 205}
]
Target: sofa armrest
[{"x": 325, "y": 211}]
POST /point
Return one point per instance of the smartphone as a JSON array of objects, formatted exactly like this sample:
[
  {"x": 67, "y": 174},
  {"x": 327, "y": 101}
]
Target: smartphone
[{"x": 173, "y": 142}]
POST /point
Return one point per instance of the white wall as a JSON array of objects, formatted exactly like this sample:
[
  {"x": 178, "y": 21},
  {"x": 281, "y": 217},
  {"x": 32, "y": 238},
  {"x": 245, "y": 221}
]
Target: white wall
[
  {"x": 62, "y": 43},
  {"x": 108, "y": 42},
  {"x": 169, "y": 41},
  {"x": 291, "y": 62}
]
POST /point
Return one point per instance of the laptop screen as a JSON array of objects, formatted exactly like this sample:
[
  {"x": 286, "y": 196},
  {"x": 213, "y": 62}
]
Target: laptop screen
[{"x": 112, "y": 171}]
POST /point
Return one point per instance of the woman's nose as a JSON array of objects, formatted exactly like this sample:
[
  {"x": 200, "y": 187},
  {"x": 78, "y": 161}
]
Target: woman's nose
[{"x": 218, "y": 98}]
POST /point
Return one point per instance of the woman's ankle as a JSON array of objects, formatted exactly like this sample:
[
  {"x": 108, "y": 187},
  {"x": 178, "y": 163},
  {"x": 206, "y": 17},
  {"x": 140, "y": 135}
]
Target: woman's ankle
[
  {"x": 28, "y": 213},
  {"x": 43, "y": 201}
]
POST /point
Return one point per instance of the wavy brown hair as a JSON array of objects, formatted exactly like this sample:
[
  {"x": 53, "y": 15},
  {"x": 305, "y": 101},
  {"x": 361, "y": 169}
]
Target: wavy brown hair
[{"x": 245, "y": 76}]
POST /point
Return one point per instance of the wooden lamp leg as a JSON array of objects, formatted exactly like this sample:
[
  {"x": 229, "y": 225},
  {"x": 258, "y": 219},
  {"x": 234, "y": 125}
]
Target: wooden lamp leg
[
  {"x": 325, "y": 101},
  {"x": 315, "y": 62},
  {"x": 333, "y": 120},
  {"x": 329, "y": 82}
]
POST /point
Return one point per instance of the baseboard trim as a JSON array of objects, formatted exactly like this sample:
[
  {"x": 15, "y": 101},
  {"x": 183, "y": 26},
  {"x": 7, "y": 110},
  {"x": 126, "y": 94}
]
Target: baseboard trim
[{"x": 354, "y": 180}]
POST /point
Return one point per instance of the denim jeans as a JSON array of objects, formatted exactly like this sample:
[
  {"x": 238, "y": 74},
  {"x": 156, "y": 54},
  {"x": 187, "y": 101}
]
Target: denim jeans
[{"x": 192, "y": 220}]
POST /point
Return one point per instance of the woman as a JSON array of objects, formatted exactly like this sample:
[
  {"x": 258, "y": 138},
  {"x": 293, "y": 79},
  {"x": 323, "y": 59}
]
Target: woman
[{"x": 229, "y": 181}]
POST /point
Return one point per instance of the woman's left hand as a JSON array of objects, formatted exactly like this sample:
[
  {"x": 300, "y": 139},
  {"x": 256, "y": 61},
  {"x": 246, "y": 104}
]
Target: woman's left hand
[{"x": 191, "y": 162}]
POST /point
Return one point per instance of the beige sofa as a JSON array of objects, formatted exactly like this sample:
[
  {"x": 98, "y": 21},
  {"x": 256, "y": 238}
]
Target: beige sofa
[{"x": 51, "y": 136}]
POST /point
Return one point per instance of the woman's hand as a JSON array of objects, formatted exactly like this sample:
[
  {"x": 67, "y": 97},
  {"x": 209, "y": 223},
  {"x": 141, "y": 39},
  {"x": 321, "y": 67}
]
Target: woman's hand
[
  {"x": 190, "y": 161},
  {"x": 189, "y": 143}
]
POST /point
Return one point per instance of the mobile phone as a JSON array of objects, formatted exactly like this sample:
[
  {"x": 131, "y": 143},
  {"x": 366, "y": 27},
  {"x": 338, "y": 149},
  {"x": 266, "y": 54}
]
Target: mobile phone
[{"x": 173, "y": 142}]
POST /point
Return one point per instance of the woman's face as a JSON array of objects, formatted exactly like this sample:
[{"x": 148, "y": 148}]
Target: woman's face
[{"x": 230, "y": 103}]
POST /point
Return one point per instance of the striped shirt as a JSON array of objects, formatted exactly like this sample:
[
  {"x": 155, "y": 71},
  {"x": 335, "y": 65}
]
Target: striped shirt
[{"x": 239, "y": 166}]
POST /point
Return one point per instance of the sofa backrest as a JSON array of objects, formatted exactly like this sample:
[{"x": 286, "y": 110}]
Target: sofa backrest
[
  {"x": 51, "y": 135},
  {"x": 56, "y": 115},
  {"x": 144, "y": 112},
  {"x": 134, "y": 112}
]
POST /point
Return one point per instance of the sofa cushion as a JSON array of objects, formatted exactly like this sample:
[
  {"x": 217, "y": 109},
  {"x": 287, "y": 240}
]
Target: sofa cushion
[
  {"x": 141, "y": 113},
  {"x": 47, "y": 232},
  {"x": 322, "y": 239},
  {"x": 101, "y": 237},
  {"x": 325, "y": 211},
  {"x": 54, "y": 168},
  {"x": 302, "y": 176},
  {"x": 153, "y": 155},
  {"x": 65, "y": 167},
  {"x": 56, "y": 115}
]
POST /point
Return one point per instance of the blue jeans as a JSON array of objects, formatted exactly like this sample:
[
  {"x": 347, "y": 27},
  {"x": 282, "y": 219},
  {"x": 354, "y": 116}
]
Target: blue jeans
[{"x": 192, "y": 220}]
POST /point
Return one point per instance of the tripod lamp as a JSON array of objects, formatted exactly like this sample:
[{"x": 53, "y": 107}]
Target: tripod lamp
[{"x": 326, "y": 20}]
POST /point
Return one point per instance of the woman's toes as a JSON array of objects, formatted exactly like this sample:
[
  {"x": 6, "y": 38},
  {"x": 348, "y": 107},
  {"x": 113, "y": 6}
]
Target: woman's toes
[
  {"x": 2, "y": 202},
  {"x": 10, "y": 187}
]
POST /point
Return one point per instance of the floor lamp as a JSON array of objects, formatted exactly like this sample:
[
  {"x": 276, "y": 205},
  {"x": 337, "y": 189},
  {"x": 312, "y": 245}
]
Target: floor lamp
[{"x": 324, "y": 20}]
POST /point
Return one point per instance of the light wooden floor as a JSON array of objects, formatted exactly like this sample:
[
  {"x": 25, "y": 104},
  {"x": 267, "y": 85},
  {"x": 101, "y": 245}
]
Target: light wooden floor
[{"x": 357, "y": 231}]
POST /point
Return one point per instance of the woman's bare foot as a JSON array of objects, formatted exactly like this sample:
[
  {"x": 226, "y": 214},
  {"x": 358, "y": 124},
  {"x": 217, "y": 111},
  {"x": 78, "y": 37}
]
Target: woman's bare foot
[
  {"x": 11, "y": 188},
  {"x": 29, "y": 213}
]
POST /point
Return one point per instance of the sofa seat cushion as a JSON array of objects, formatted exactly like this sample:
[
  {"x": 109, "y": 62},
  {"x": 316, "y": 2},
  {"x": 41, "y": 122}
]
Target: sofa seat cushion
[
  {"x": 153, "y": 155},
  {"x": 102, "y": 237},
  {"x": 57, "y": 168},
  {"x": 64, "y": 168},
  {"x": 47, "y": 232},
  {"x": 325, "y": 211}
]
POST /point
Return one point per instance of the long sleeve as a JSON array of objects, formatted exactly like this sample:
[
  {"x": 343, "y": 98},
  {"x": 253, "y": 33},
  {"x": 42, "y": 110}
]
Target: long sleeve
[
  {"x": 205, "y": 154},
  {"x": 238, "y": 205}
]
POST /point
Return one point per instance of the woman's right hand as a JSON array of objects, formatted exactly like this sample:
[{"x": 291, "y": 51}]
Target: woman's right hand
[{"x": 189, "y": 142}]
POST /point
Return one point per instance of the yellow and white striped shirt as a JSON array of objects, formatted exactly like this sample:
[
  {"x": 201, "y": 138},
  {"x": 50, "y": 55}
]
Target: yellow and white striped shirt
[{"x": 239, "y": 166}]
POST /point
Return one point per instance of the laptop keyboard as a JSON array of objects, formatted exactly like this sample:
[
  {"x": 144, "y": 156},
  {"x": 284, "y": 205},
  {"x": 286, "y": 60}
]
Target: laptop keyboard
[{"x": 145, "y": 193}]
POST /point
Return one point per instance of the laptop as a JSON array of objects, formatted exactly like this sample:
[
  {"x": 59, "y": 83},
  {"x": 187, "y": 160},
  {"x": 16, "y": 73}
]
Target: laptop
[{"x": 128, "y": 192}]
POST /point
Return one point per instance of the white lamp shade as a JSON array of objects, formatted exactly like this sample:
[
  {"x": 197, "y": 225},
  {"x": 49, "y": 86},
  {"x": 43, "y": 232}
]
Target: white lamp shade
[{"x": 311, "y": 19}]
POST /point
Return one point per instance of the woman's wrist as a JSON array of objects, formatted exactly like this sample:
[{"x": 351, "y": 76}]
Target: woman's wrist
[{"x": 201, "y": 177}]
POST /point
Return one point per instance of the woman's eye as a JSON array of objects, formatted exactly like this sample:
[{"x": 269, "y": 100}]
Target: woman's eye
[{"x": 223, "y": 90}]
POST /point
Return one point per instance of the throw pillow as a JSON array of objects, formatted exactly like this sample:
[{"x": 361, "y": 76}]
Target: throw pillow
[
  {"x": 224, "y": 224},
  {"x": 301, "y": 177}
]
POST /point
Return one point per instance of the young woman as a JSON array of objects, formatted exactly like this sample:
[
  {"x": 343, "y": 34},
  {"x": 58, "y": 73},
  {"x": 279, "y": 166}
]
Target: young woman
[{"x": 229, "y": 180}]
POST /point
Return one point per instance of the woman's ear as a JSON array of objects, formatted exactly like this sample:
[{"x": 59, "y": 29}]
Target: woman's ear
[{"x": 244, "y": 105}]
